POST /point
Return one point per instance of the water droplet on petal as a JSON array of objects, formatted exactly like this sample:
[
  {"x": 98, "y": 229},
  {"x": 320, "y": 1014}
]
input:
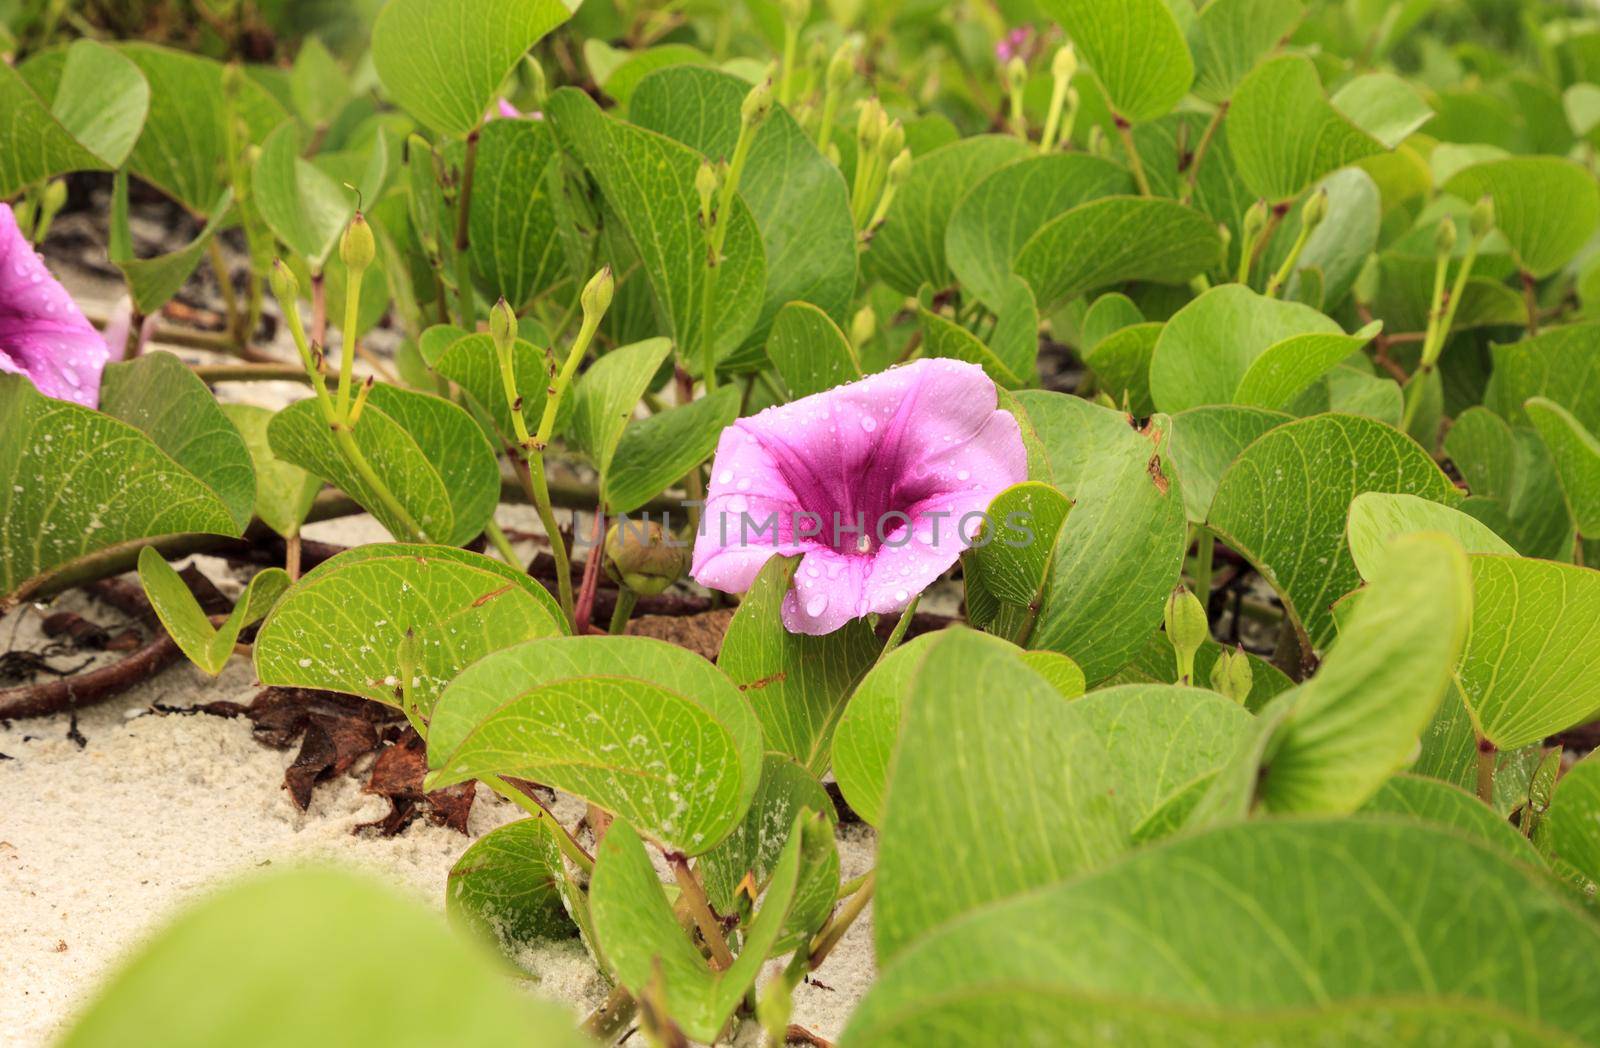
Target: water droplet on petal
[
  {"x": 869, "y": 423},
  {"x": 901, "y": 595},
  {"x": 725, "y": 477},
  {"x": 816, "y": 605},
  {"x": 962, "y": 474}
]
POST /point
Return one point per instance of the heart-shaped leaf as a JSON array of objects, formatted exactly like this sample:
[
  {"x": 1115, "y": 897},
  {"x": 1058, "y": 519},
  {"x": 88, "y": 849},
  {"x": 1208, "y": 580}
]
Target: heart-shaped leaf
[
  {"x": 809, "y": 351},
  {"x": 185, "y": 622},
  {"x": 661, "y": 216},
  {"x": 35, "y": 146},
  {"x": 1576, "y": 455},
  {"x": 1136, "y": 50},
  {"x": 950, "y": 768},
  {"x": 1261, "y": 932},
  {"x": 1205, "y": 441},
  {"x": 993, "y": 220},
  {"x": 1121, "y": 365},
  {"x": 359, "y": 927},
  {"x": 908, "y": 251},
  {"x": 1121, "y": 550},
  {"x": 1233, "y": 346},
  {"x": 284, "y": 493},
  {"x": 1284, "y": 501},
  {"x": 508, "y": 886},
  {"x": 317, "y": 85},
  {"x": 1113, "y": 240},
  {"x": 619, "y": 71},
  {"x": 604, "y": 398},
  {"x": 96, "y": 93},
  {"x": 1546, "y": 207},
  {"x": 660, "y": 450},
  {"x": 515, "y": 249},
  {"x": 644, "y": 943},
  {"x": 1009, "y": 565},
  {"x": 1338, "y": 248},
  {"x": 1442, "y": 804},
  {"x": 153, "y": 281},
  {"x": 1383, "y": 105},
  {"x": 646, "y": 730},
  {"x": 307, "y": 208},
  {"x": 471, "y": 362},
  {"x": 1230, "y": 36},
  {"x": 797, "y": 197},
  {"x": 443, "y": 63},
  {"x": 1514, "y": 485},
  {"x": 796, "y": 684},
  {"x": 1284, "y": 133},
  {"x": 461, "y": 606}
]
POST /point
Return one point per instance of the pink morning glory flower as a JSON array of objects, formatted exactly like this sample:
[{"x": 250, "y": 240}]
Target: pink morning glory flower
[
  {"x": 879, "y": 484},
  {"x": 42, "y": 334}
]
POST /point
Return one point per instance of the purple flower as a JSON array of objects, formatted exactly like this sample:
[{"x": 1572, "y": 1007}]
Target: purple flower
[
  {"x": 42, "y": 334},
  {"x": 880, "y": 484},
  {"x": 1013, "y": 43}
]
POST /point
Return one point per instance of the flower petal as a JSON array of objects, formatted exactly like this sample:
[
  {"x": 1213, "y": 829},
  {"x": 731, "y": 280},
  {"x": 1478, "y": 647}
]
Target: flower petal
[
  {"x": 42, "y": 333},
  {"x": 828, "y": 592}
]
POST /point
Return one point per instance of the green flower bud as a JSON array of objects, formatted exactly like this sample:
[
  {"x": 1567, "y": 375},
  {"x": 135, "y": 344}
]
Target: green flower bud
[
  {"x": 1444, "y": 241},
  {"x": 893, "y": 141},
  {"x": 55, "y": 196},
  {"x": 1187, "y": 629},
  {"x": 357, "y": 248},
  {"x": 1016, "y": 74},
  {"x": 1064, "y": 64},
  {"x": 1255, "y": 221},
  {"x": 900, "y": 168},
  {"x": 869, "y": 125},
  {"x": 795, "y": 12},
  {"x": 863, "y": 326},
  {"x": 1314, "y": 210},
  {"x": 597, "y": 293},
  {"x": 1365, "y": 288},
  {"x": 1482, "y": 216},
  {"x": 1225, "y": 235},
  {"x": 643, "y": 557},
  {"x": 285, "y": 288},
  {"x": 1231, "y": 675},
  {"x": 706, "y": 184},
  {"x": 502, "y": 325},
  {"x": 841, "y": 66},
  {"x": 757, "y": 103},
  {"x": 536, "y": 80}
]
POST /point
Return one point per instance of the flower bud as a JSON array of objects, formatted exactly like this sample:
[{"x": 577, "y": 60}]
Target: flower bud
[
  {"x": 705, "y": 186},
  {"x": 1187, "y": 629},
  {"x": 1016, "y": 74},
  {"x": 1225, "y": 235},
  {"x": 863, "y": 326},
  {"x": 868, "y": 126},
  {"x": 1064, "y": 64},
  {"x": 1255, "y": 221},
  {"x": 536, "y": 79},
  {"x": 893, "y": 141},
  {"x": 597, "y": 294},
  {"x": 1231, "y": 675},
  {"x": 841, "y": 66},
  {"x": 502, "y": 325},
  {"x": 1444, "y": 241},
  {"x": 1314, "y": 210},
  {"x": 357, "y": 248},
  {"x": 1365, "y": 289},
  {"x": 757, "y": 103},
  {"x": 641, "y": 557},
  {"x": 285, "y": 288},
  {"x": 1482, "y": 216},
  {"x": 795, "y": 12},
  {"x": 900, "y": 168}
]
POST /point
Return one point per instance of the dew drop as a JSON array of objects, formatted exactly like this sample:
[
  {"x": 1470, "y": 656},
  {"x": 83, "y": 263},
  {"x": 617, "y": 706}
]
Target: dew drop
[
  {"x": 816, "y": 606},
  {"x": 869, "y": 423},
  {"x": 962, "y": 474},
  {"x": 725, "y": 477},
  {"x": 901, "y": 595}
]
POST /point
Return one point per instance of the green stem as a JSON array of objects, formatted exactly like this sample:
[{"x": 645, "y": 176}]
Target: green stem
[
  {"x": 469, "y": 166},
  {"x": 539, "y": 495},
  {"x": 1281, "y": 277},
  {"x": 230, "y": 301},
  {"x": 830, "y": 935},
  {"x": 358, "y": 461},
  {"x": 1052, "y": 123},
  {"x": 1134, "y": 163},
  {"x": 1206, "y": 137},
  {"x": 791, "y": 42},
  {"x": 502, "y": 545},
  {"x": 900, "y": 627},
  {"x": 1432, "y": 349},
  {"x": 626, "y": 599},
  {"x": 347, "y": 339},
  {"x": 1205, "y": 549},
  {"x": 1488, "y": 754},
  {"x": 564, "y": 840}
]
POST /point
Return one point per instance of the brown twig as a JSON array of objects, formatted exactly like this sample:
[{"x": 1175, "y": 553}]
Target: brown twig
[{"x": 76, "y": 692}]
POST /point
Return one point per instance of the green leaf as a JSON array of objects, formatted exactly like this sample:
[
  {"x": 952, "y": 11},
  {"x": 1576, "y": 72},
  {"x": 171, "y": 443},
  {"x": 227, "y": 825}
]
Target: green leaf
[
  {"x": 1376, "y": 518},
  {"x": 34, "y": 145},
  {"x": 755, "y": 847},
  {"x": 646, "y": 730},
  {"x": 1136, "y": 51},
  {"x": 994, "y": 220},
  {"x": 1559, "y": 365},
  {"x": 153, "y": 281},
  {"x": 1368, "y": 931},
  {"x": 185, "y": 622},
  {"x": 1383, "y": 105},
  {"x": 1529, "y": 671},
  {"x": 412, "y": 442},
  {"x": 1283, "y": 504},
  {"x": 809, "y": 351},
  {"x": 648, "y": 180},
  {"x": 619, "y": 72},
  {"x": 444, "y": 63},
  {"x": 317, "y": 85},
  {"x": 1513, "y": 481},
  {"x": 1121, "y": 550},
  {"x": 101, "y": 98},
  {"x": 1357, "y": 721},
  {"x": 1113, "y": 240},
  {"x": 1572, "y": 826},
  {"x": 1205, "y": 441},
  {"x": 73, "y": 481},
  {"x": 515, "y": 251},
  {"x": 1155, "y": 664},
  {"x": 605, "y": 396},
  {"x": 340, "y": 628},
  {"x": 185, "y": 137},
  {"x": 1230, "y": 36},
  {"x": 161, "y": 397},
  {"x": 797, "y": 197},
  {"x": 305, "y": 207},
  {"x": 1442, "y": 804},
  {"x": 642, "y": 940},
  {"x": 284, "y": 493},
  {"x": 1546, "y": 207},
  {"x": 1338, "y": 248},
  {"x": 471, "y": 362},
  {"x": 1008, "y": 567},
  {"x": 1233, "y": 346},
  {"x": 1026, "y": 754},
  {"x": 796, "y": 684},
  {"x": 1285, "y": 135},
  {"x": 1576, "y": 455},
  {"x": 1121, "y": 366},
  {"x": 660, "y": 450},
  {"x": 248, "y": 945},
  {"x": 507, "y": 887},
  {"x": 908, "y": 250},
  {"x": 943, "y": 337}
]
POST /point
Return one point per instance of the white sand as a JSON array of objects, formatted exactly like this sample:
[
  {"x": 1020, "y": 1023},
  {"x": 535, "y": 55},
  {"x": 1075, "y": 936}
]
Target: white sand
[{"x": 100, "y": 844}]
